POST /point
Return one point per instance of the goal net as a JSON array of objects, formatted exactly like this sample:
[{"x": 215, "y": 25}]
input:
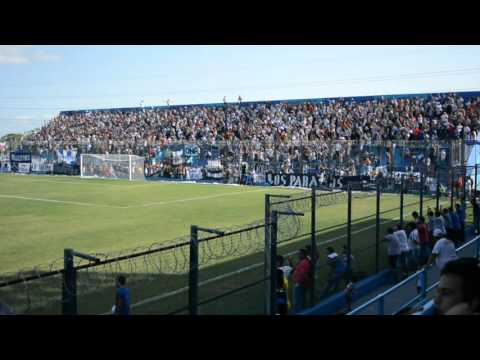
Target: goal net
[{"x": 130, "y": 167}]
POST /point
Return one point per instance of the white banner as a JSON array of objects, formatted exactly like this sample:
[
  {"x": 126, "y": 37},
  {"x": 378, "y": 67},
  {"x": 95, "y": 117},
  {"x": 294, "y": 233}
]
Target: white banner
[
  {"x": 24, "y": 168},
  {"x": 215, "y": 175},
  {"x": 194, "y": 174}
]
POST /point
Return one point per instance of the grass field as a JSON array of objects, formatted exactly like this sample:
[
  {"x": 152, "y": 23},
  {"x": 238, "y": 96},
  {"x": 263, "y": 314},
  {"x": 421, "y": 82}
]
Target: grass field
[{"x": 42, "y": 215}]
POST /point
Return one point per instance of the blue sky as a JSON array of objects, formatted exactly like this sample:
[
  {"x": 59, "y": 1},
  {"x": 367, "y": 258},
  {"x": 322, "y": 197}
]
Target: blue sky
[{"x": 36, "y": 82}]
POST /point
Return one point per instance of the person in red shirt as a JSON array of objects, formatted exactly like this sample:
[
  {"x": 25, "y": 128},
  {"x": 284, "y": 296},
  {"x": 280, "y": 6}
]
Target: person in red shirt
[
  {"x": 424, "y": 240},
  {"x": 301, "y": 280}
]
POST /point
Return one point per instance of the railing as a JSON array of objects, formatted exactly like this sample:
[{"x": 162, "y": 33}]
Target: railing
[{"x": 471, "y": 248}]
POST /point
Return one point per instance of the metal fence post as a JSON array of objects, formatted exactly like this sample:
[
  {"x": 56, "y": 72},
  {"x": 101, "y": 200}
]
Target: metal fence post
[
  {"x": 266, "y": 266},
  {"x": 377, "y": 231},
  {"x": 475, "y": 207},
  {"x": 69, "y": 286},
  {"x": 193, "y": 273},
  {"x": 273, "y": 267},
  {"x": 402, "y": 183},
  {"x": 475, "y": 186},
  {"x": 313, "y": 243},
  {"x": 437, "y": 194},
  {"x": 422, "y": 185},
  {"x": 349, "y": 233},
  {"x": 452, "y": 185},
  {"x": 462, "y": 161}
]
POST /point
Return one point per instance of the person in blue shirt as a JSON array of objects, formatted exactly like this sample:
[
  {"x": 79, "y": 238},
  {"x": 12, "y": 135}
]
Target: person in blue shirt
[
  {"x": 461, "y": 217},
  {"x": 456, "y": 226},
  {"x": 122, "y": 298}
]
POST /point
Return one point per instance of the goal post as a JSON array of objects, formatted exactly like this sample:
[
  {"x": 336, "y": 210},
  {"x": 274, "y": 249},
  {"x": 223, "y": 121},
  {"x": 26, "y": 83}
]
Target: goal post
[{"x": 116, "y": 166}]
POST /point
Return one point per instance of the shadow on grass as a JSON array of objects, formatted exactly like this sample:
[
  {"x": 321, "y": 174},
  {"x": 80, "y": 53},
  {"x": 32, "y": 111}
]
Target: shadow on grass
[
  {"x": 159, "y": 293},
  {"x": 154, "y": 293}
]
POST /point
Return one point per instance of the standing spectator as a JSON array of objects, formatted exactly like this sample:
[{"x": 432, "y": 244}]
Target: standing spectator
[
  {"x": 349, "y": 292},
  {"x": 393, "y": 249},
  {"x": 443, "y": 251},
  {"x": 456, "y": 227},
  {"x": 313, "y": 257},
  {"x": 345, "y": 259},
  {"x": 424, "y": 240},
  {"x": 122, "y": 297},
  {"x": 448, "y": 223},
  {"x": 402, "y": 240},
  {"x": 458, "y": 291},
  {"x": 461, "y": 218},
  {"x": 283, "y": 290},
  {"x": 414, "y": 246},
  {"x": 337, "y": 267},
  {"x": 282, "y": 294},
  {"x": 438, "y": 223},
  {"x": 415, "y": 217},
  {"x": 301, "y": 281}
]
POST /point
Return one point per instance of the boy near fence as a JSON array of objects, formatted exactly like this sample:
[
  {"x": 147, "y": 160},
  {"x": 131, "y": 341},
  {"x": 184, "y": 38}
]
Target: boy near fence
[
  {"x": 122, "y": 297},
  {"x": 349, "y": 292}
]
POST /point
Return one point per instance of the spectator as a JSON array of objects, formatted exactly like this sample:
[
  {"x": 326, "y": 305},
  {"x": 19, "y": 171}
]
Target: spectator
[
  {"x": 415, "y": 217},
  {"x": 283, "y": 284},
  {"x": 338, "y": 269},
  {"x": 393, "y": 249},
  {"x": 345, "y": 258},
  {"x": 448, "y": 223},
  {"x": 314, "y": 264},
  {"x": 458, "y": 291},
  {"x": 438, "y": 223},
  {"x": 301, "y": 280},
  {"x": 460, "y": 212},
  {"x": 456, "y": 227},
  {"x": 443, "y": 250},
  {"x": 413, "y": 260},
  {"x": 349, "y": 292},
  {"x": 424, "y": 241},
  {"x": 402, "y": 240},
  {"x": 282, "y": 294},
  {"x": 122, "y": 297}
]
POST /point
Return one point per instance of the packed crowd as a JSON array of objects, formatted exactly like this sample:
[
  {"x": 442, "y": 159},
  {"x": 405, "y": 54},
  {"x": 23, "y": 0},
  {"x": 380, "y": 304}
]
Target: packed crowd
[{"x": 271, "y": 134}]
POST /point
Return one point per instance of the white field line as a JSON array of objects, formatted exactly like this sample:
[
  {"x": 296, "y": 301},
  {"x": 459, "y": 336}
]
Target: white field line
[
  {"x": 126, "y": 207},
  {"x": 247, "y": 268},
  {"x": 192, "y": 199},
  {"x": 86, "y": 182},
  {"x": 56, "y": 201}
]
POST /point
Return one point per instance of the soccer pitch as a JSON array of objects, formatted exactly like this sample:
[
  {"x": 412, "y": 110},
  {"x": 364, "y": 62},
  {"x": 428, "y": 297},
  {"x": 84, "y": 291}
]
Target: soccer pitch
[{"x": 42, "y": 215}]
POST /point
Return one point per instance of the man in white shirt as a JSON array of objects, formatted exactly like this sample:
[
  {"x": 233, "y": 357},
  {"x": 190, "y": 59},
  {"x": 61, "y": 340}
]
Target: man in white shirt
[
  {"x": 414, "y": 246},
  {"x": 443, "y": 251},
  {"x": 402, "y": 239},
  {"x": 393, "y": 249}
]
